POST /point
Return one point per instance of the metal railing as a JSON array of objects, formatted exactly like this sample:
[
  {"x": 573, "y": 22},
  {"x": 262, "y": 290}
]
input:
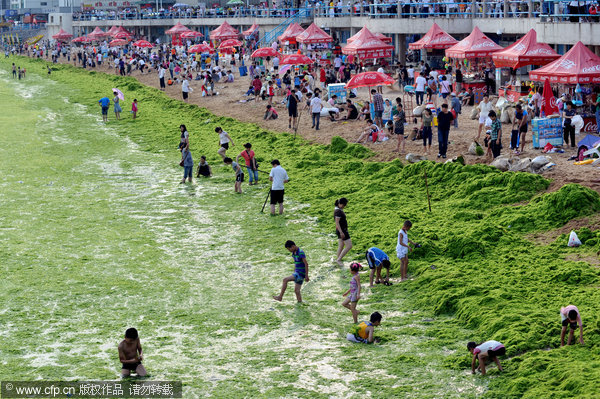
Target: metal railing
[{"x": 553, "y": 10}]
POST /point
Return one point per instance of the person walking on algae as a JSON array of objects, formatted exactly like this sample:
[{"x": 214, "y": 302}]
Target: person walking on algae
[
  {"x": 489, "y": 350},
  {"x": 300, "y": 271},
  {"x": 224, "y": 140},
  {"x": 104, "y": 104},
  {"x": 130, "y": 354},
  {"x": 352, "y": 300},
  {"x": 278, "y": 177},
  {"x": 365, "y": 332},
  {"x": 341, "y": 229},
  {"x": 377, "y": 259},
  {"x": 570, "y": 317},
  {"x": 239, "y": 174},
  {"x": 402, "y": 248}
]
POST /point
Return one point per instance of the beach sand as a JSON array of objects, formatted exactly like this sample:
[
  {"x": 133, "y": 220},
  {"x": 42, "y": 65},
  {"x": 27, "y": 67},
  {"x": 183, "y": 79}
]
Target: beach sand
[{"x": 227, "y": 103}]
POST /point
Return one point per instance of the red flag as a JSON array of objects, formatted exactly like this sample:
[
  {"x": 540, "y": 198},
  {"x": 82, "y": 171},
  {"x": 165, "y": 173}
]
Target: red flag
[{"x": 549, "y": 106}]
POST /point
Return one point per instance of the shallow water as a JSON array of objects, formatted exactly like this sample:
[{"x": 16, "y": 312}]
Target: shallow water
[{"x": 97, "y": 235}]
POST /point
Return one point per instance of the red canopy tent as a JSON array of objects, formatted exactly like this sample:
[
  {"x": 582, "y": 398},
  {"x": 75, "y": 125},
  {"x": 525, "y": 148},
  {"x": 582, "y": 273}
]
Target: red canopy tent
[
  {"x": 383, "y": 38},
  {"x": 121, "y": 33},
  {"x": 178, "y": 29},
  {"x": 313, "y": 34},
  {"x": 112, "y": 30},
  {"x": 250, "y": 31},
  {"x": 476, "y": 45},
  {"x": 366, "y": 45},
  {"x": 224, "y": 32},
  {"x": 578, "y": 65},
  {"x": 290, "y": 33},
  {"x": 435, "y": 38},
  {"x": 62, "y": 35},
  {"x": 97, "y": 34},
  {"x": 525, "y": 51}
]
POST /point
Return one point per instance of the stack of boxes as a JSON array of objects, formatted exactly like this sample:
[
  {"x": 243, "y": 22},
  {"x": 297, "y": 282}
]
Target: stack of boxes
[{"x": 547, "y": 130}]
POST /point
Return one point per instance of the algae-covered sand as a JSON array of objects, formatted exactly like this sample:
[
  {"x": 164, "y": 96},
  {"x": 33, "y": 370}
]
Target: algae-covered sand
[{"x": 99, "y": 236}]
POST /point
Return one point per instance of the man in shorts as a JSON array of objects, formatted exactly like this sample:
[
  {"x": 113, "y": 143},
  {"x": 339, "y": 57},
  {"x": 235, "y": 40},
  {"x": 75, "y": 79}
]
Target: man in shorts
[
  {"x": 104, "y": 103},
  {"x": 377, "y": 259},
  {"x": 278, "y": 177}
]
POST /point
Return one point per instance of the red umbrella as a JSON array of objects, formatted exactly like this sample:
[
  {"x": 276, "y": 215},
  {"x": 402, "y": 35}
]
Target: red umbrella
[
  {"x": 368, "y": 79},
  {"x": 118, "y": 42},
  {"x": 142, "y": 43},
  {"x": 230, "y": 43},
  {"x": 81, "y": 39},
  {"x": 549, "y": 106},
  {"x": 201, "y": 48},
  {"x": 191, "y": 34},
  {"x": 264, "y": 52},
  {"x": 296, "y": 59}
]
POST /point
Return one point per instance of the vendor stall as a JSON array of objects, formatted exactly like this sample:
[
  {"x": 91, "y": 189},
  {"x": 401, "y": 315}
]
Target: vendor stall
[
  {"x": 365, "y": 45},
  {"x": 313, "y": 35},
  {"x": 288, "y": 37},
  {"x": 525, "y": 51},
  {"x": 576, "y": 74},
  {"x": 433, "y": 43},
  {"x": 224, "y": 32},
  {"x": 473, "y": 54}
]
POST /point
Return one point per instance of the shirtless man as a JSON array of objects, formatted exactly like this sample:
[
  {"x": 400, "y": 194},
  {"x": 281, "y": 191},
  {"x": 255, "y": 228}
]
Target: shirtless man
[{"x": 130, "y": 354}]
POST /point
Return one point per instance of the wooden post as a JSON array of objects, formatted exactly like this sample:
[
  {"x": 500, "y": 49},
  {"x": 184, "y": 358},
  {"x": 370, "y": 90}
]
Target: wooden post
[{"x": 427, "y": 186}]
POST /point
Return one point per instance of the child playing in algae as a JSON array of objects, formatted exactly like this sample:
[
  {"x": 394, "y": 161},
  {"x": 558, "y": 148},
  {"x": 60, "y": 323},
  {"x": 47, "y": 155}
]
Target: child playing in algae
[
  {"x": 130, "y": 354},
  {"x": 570, "y": 317},
  {"x": 300, "y": 271},
  {"x": 402, "y": 248},
  {"x": 203, "y": 168},
  {"x": 351, "y": 301},
  {"x": 489, "y": 350},
  {"x": 364, "y": 332},
  {"x": 239, "y": 174},
  {"x": 377, "y": 259}
]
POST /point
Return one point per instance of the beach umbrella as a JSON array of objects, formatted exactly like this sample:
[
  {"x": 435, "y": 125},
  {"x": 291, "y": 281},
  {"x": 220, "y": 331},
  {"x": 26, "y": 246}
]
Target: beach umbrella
[
  {"x": 230, "y": 43},
  {"x": 142, "y": 43},
  {"x": 191, "y": 34},
  {"x": 118, "y": 42},
  {"x": 296, "y": 59},
  {"x": 264, "y": 52},
  {"x": 201, "y": 48},
  {"x": 235, "y": 3},
  {"x": 119, "y": 93},
  {"x": 178, "y": 5},
  {"x": 369, "y": 79},
  {"x": 81, "y": 39}
]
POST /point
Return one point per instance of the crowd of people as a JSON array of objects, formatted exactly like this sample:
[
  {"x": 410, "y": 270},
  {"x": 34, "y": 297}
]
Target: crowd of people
[{"x": 304, "y": 88}]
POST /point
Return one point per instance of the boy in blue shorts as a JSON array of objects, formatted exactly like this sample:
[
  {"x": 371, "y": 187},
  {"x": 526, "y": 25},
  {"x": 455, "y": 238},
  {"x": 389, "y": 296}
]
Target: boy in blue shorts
[
  {"x": 377, "y": 259},
  {"x": 300, "y": 271}
]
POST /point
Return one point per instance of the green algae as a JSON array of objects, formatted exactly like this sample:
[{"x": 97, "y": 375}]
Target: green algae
[{"x": 475, "y": 263}]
